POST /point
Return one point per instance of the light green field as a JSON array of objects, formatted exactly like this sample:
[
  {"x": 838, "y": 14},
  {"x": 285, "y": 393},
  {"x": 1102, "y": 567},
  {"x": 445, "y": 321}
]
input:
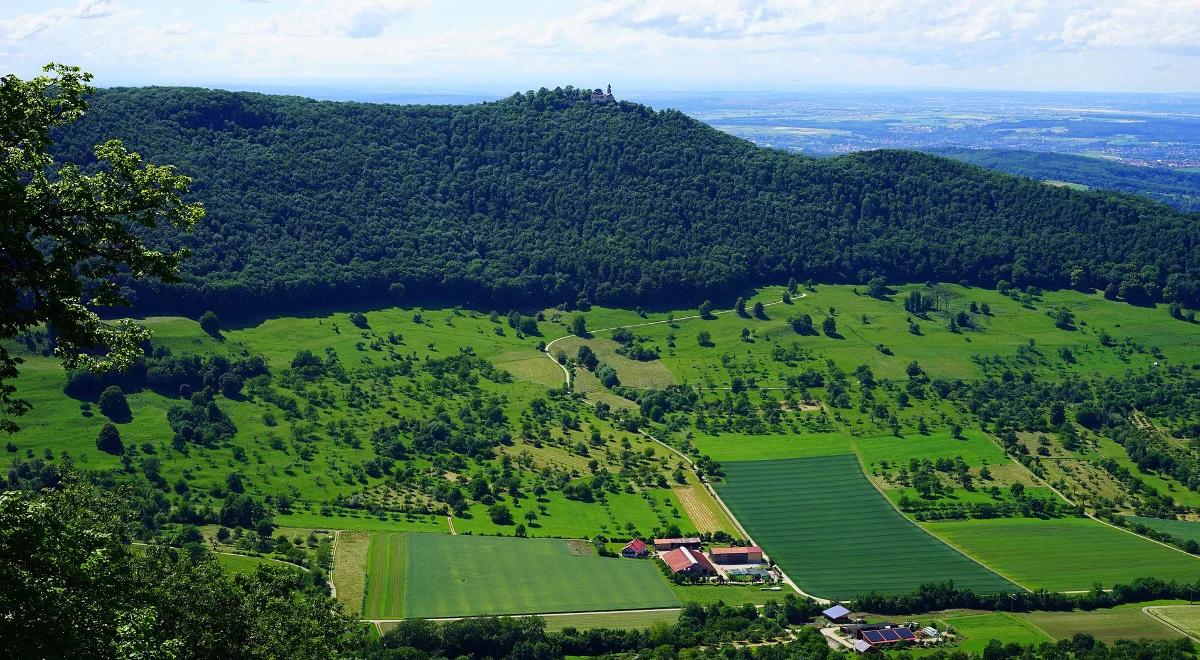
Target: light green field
[
  {"x": 975, "y": 448},
  {"x": 1065, "y": 554},
  {"x": 976, "y": 630},
  {"x": 622, "y": 620},
  {"x": 1180, "y": 529},
  {"x": 835, "y": 535},
  {"x": 1108, "y": 625},
  {"x": 1184, "y": 617},
  {"x": 706, "y": 594},
  {"x": 479, "y": 575},
  {"x": 245, "y": 563},
  {"x": 387, "y": 566}
]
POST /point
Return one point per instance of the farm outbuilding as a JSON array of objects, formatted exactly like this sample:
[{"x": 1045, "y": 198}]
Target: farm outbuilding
[
  {"x": 686, "y": 561},
  {"x": 670, "y": 544},
  {"x": 837, "y": 614},
  {"x": 636, "y": 548},
  {"x": 748, "y": 555}
]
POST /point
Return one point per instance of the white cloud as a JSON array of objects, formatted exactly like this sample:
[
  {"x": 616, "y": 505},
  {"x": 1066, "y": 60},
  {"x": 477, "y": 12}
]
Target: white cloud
[
  {"x": 1155, "y": 24},
  {"x": 25, "y": 26},
  {"x": 339, "y": 18}
]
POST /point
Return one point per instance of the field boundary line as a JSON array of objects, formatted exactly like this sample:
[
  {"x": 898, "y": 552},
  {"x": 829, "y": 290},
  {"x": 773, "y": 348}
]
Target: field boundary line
[
  {"x": 1150, "y": 610},
  {"x": 332, "y": 554},
  {"x": 862, "y": 468}
]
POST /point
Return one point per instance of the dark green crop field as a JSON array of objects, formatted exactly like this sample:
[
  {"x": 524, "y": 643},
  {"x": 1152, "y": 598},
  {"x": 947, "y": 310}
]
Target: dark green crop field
[{"x": 835, "y": 536}]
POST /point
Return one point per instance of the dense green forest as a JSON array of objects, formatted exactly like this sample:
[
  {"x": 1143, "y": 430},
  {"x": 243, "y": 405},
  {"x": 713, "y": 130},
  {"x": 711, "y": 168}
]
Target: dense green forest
[
  {"x": 545, "y": 198},
  {"x": 1175, "y": 188}
]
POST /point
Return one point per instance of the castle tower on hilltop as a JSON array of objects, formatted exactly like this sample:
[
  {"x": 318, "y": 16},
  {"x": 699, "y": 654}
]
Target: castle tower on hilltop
[{"x": 600, "y": 96}]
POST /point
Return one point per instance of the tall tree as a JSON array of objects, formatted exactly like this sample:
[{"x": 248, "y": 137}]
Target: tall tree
[{"x": 66, "y": 234}]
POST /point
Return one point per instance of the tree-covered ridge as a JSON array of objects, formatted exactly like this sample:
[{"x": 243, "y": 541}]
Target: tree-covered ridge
[{"x": 544, "y": 197}]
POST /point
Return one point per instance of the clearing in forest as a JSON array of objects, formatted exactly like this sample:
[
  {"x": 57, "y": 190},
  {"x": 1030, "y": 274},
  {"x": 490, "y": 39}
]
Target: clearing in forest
[
  {"x": 835, "y": 535},
  {"x": 481, "y": 575}
]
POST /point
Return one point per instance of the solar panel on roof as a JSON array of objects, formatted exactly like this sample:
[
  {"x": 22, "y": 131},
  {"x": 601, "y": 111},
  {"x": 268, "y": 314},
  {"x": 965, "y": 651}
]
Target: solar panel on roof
[
  {"x": 905, "y": 634},
  {"x": 873, "y": 636},
  {"x": 890, "y": 635}
]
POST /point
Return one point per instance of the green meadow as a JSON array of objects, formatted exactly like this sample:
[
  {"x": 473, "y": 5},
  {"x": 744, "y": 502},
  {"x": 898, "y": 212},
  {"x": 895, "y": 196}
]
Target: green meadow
[{"x": 1065, "y": 554}]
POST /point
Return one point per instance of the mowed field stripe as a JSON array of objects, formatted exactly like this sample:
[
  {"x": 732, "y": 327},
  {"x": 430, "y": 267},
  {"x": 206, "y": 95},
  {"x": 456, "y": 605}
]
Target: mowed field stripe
[
  {"x": 387, "y": 567},
  {"x": 834, "y": 534},
  {"x": 699, "y": 514}
]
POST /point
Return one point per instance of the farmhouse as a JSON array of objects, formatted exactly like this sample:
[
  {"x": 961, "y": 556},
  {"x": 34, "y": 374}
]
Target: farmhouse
[
  {"x": 685, "y": 561},
  {"x": 748, "y": 555},
  {"x": 636, "y": 548},
  {"x": 670, "y": 544}
]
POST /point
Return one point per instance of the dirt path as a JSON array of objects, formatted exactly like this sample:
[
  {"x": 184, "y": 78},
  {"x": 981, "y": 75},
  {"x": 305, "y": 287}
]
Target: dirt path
[
  {"x": 450, "y": 521},
  {"x": 1152, "y": 612}
]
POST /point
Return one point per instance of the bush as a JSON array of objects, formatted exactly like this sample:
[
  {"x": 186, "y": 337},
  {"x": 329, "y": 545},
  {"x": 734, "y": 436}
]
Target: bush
[
  {"x": 210, "y": 323},
  {"x": 109, "y": 440},
  {"x": 113, "y": 403}
]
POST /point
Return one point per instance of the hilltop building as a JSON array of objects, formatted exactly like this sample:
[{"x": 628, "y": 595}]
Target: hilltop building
[{"x": 600, "y": 96}]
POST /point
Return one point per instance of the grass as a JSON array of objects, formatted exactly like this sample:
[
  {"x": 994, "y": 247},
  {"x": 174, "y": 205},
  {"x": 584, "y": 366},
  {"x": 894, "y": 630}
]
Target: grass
[
  {"x": 350, "y": 553},
  {"x": 244, "y": 563},
  {"x": 387, "y": 566},
  {"x": 976, "y": 630},
  {"x": 1065, "y": 554},
  {"x": 1108, "y": 625},
  {"x": 706, "y": 594},
  {"x": 622, "y": 620},
  {"x": 1181, "y": 529},
  {"x": 478, "y": 575},
  {"x": 835, "y": 535},
  {"x": 1185, "y": 617}
]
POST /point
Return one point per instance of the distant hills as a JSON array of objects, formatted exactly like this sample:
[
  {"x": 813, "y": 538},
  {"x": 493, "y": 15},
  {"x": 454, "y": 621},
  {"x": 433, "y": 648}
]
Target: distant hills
[
  {"x": 1173, "y": 187},
  {"x": 545, "y": 198}
]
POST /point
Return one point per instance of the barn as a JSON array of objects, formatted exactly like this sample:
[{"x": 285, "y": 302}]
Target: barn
[
  {"x": 685, "y": 561},
  {"x": 663, "y": 545},
  {"x": 748, "y": 555}
]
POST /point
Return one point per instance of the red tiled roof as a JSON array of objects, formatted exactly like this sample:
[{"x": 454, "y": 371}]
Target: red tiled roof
[
  {"x": 691, "y": 540},
  {"x": 682, "y": 559},
  {"x": 637, "y": 545}
]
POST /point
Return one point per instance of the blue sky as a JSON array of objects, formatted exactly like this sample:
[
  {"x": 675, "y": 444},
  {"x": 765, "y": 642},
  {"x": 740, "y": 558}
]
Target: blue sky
[{"x": 499, "y": 46}]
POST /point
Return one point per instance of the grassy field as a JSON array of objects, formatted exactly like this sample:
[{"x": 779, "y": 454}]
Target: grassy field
[
  {"x": 1184, "y": 617},
  {"x": 706, "y": 594},
  {"x": 1181, "y": 529},
  {"x": 243, "y": 563},
  {"x": 473, "y": 575},
  {"x": 350, "y": 553},
  {"x": 975, "y": 630},
  {"x": 1108, "y": 625},
  {"x": 625, "y": 620},
  {"x": 387, "y": 566},
  {"x": 1065, "y": 554},
  {"x": 835, "y": 535}
]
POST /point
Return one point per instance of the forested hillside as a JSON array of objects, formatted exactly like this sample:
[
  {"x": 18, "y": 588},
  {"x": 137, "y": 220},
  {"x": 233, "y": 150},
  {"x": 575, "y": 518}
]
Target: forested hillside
[
  {"x": 1179, "y": 189},
  {"x": 543, "y": 197}
]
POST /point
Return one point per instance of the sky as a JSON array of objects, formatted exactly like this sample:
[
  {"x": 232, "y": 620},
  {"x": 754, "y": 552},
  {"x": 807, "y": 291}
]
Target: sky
[{"x": 672, "y": 45}]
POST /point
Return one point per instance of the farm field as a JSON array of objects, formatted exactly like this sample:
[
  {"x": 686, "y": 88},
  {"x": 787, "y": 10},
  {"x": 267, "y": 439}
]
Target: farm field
[
  {"x": 834, "y": 534},
  {"x": 707, "y": 594},
  {"x": 350, "y": 553},
  {"x": 1107, "y": 625},
  {"x": 1065, "y": 554},
  {"x": 1182, "y": 529},
  {"x": 975, "y": 630},
  {"x": 1184, "y": 617},
  {"x": 387, "y": 567},
  {"x": 475, "y": 575}
]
